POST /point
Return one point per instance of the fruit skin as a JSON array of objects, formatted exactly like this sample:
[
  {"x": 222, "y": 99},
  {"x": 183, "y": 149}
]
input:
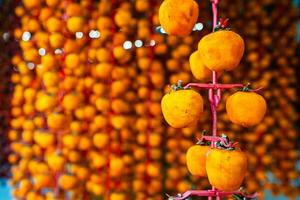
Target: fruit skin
[
  {"x": 246, "y": 108},
  {"x": 198, "y": 69},
  {"x": 221, "y": 50},
  {"x": 182, "y": 108},
  {"x": 196, "y": 160},
  {"x": 226, "y": 169},
  {"x": 178, "y": 17}
]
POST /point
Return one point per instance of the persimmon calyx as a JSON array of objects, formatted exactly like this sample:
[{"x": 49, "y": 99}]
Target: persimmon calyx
[
  {"x": 177, "y": 86},
  {"x": 222, "y": 25},
  {"x": 203, "y": 142},
  {"x": 248, "y": 88},
  {"x": 224, "y": 143}
]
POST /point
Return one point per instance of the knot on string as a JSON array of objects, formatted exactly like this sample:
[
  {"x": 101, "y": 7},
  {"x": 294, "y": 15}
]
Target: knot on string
[
  {"x": 222, "y": 142},
  {"x": 222, "y": 24}
]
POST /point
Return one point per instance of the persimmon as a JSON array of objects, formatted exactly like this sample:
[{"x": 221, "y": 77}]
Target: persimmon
[
  {"x": 196, "y": 160},
  {"x": 70, "y": 141},
  {"x": 100, "y": 140},
  {"x": 198, "y": 69},
  {"x": 182, "y": 108},
  {"x": 104, "y": 23},
  {"x": 50, "y": 79},
  {"x": 226, "y": 168},
  {"x": 56, "y": 40},
  {"x": 119, "y": 122},
  {"x": 31, "y": 55},
  {"x": 56, "y": 162},
  {"x": 153, "y": 170},
  {"x": 82, "y": 173},
  {"x": 123, "y": 18},
  {"x": 178, "y": 17},
  {"x": 75, "y": 24},
  {"x": 121, "y": 54},
  {"x": 98, "y": 161},
  {"x": 246, "y": 108},
  {"x": 45, "y": 102},
  {"x": 53, "y": 24},
  {"x": 67, "y": 182},
  {"x": 103, "y": 70},
  {"x": 44, "y": 139},
  {"x": 71, "y": 101},
  {"x": 45, "y": 13},
  {"x": 116, "y": 166},
  {"x": 41, "y": 181},
  {"x": 221, "y": 50}
]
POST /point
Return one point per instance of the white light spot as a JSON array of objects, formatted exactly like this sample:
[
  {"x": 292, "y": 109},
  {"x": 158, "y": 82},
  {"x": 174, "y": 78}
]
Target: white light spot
[
  {"x": 97, "y": 34},
  {"x": 138, "y": 43},
  {"x": 94, "y": 34},
  {"x": 79, "y": 35},
  {"x": 152, "y": 43},
  {"x": 6, "y": 36},
  {"x": 42, "y": 51},
  {"x": 91, "y": 34},
  {"x": 198, "y": 27},
  {"x": 30, "y": 65},
  {"x": 58, "y": 51},
  {"x": 162, "y": 30},
  {"x": 127, "y": 45},
  {"x": 26, "y": 36}
]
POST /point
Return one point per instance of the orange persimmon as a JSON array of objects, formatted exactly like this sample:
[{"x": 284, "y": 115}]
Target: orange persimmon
[
  {"x": 221, "y": 50},
  {"x": 196, "y": 160},
  {"x": 246, "y": 108},
  {"x": 178, "y": 17}
]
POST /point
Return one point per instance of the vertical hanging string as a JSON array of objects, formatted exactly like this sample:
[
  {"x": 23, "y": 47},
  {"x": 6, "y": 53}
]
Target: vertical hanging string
[
  {"x": 215, "y": 13},
  {"x": 213, "y": 97}
]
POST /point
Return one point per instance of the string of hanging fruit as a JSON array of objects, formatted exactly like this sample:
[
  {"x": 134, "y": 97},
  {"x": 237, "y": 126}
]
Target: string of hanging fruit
[{"x": 224, "y": 164}]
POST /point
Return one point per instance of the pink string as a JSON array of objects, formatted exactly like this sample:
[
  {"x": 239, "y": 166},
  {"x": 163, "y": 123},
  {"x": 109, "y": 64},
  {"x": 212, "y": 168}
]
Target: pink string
[
  {"x": 215, "y": 13},
  {"x": 210, "y": 194},
  {"x": 213, "y": 98}
]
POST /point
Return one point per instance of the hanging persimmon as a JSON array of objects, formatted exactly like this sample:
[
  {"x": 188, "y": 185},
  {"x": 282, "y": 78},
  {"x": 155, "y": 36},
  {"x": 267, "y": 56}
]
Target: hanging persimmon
[
  {"x": 196, "y": 159},
  {"x": 198, "y": 69},
  {"x": 182, "y": 108},
  {"x": 226, "y": 168},
  {"x": 246, "y": 108},
  {"x": 178, "y": 17},
  {"x": 221, "y": 50}
]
